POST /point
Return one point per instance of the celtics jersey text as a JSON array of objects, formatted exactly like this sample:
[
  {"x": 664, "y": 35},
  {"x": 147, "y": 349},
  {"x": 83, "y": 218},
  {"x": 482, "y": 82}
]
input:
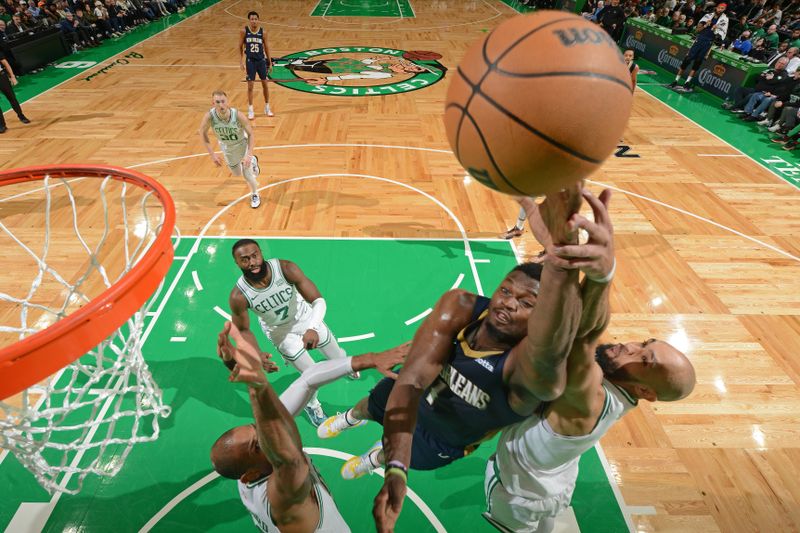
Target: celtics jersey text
[
  {"x": 468, "y": 401},
  {"x": 230, "y": 132},
  {"x": 254, "y": 44},
  {"x": 280, "y": 303}
]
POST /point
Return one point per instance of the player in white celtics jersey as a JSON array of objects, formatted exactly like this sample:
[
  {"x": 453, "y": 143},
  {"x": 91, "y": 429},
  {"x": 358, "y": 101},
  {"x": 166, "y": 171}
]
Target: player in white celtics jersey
[
  {"x": 532, "y": 476},
  {"x": 290, "y": 310},
  {"x": 236, "y": 140},
  {"x": 277, "y": 482}
]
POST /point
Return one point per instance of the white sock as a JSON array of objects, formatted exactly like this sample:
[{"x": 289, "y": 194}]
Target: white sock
[
  {"x": 523, "y": 216},
  {"x": 349, "y": 418},
  {"x": 677, "y": 78},
  {"x": 688, "y": 79},
  {"x": 373, "y": 458},
  {"x": 250, "y": 178}
]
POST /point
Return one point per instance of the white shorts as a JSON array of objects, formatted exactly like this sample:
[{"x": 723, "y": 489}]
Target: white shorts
[
  {"x": 288, "y": 338},
  {"x": 234, "y": 154},
  {"x": 509, "y": 512}
]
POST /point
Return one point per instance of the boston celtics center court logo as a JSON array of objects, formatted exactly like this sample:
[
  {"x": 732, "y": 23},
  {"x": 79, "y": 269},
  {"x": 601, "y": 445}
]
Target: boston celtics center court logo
[{"x": 358, "y": 71}]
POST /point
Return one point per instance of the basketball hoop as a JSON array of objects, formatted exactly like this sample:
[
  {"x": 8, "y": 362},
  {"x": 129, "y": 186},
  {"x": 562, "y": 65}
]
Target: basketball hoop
[{"x": 86, "y": 393}]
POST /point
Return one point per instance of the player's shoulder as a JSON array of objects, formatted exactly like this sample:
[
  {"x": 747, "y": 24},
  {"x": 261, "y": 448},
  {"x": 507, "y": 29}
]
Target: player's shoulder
[
  {"x": 237, "y": 296},
  {"x": 458, "y": 302}
]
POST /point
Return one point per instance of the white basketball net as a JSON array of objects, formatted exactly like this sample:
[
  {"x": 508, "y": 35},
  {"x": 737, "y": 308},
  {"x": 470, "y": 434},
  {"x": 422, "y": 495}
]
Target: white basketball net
[{"x": 85, "y": 419}]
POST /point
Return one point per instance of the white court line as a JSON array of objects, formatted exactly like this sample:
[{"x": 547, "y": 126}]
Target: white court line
[
  {"x": 642, "y": 510},
  {"x": 419, "y": 316},
  {"x": 185, "y": 493},
  {"x": 759, "y": 163},
  {"x": 483, "y": 261},
  {"x": 458, "y": 281},
  {"x": 197, "y": 485},
  {"x": 177, "y": 339},
  {"x": 720, "y": 155},
  {"x": 626, "y": 514},
  {"x": 356, "y": 338},
  {"x": 698, "y": 217},
  {"x": 221, "y": 312},
  {"x": 296, "y": 238},
  {"x": 453, "y": 217},
  {"x": 197, "y": 284},
  {"x": 180, "y": 258},
  {"x": 394, "y": 28}
]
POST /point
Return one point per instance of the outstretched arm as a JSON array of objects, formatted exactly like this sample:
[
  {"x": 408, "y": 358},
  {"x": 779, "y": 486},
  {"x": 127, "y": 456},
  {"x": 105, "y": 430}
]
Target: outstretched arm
[
  {"x": 596, "y": 259},
  {"x": 278, "y": 436},
  {"x": 430, "y": 351},
  {"x": 536, "y": 367}
]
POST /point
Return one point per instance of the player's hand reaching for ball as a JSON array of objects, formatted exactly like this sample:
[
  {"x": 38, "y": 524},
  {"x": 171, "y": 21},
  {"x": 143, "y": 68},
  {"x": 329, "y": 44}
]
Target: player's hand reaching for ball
[
  {"x": 244, "y": 360},
  {"x": 389, "y": 503},
  {"x": 550, "y": 220},
  {"x": 310, "y": 339},
  {"x": 384, "y": 362},
  {"x": 596, "y": 257}
]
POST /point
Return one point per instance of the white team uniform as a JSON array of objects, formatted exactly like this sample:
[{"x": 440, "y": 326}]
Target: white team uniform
[
  {"x": 254, "y": 497},
  {"x": 533, "y": 473},
  {"x": 231, "y": 135},
  {"x": 283, "y": 313}
]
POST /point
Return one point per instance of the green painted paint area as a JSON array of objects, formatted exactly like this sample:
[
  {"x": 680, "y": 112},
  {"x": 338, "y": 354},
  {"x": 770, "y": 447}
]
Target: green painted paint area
[
  {"x": 363, "y": 8},
  {"x": 89, "y": 60},
  {"x": 704, "y": 109},
  {"x": 518, "y": 6},
  {"x": 371, "y": 286}
]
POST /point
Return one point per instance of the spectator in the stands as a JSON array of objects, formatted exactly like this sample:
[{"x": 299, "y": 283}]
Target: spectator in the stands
[
  {"x": 794, "y": 40},
  {"x": 766, "y": 82},
  {"x": 758, "y": 28},
  {"x": 759, "y": 101},
  {"x": 742, "y": 45},
  {"x": 612, "y": 19},
  {"x": 75, "y": 34},
  {"x": 102, "y": 20},
  {"x": 663, "y": 18},
  {"x": 794, "y": 60},
  {"x": 5, "y": 16},
  {"x": 759, "y": 50},
  {"x": 3, "y": 37},
  {"x": 773, "y": 55},
  {"x": 772, "y": 37},
  {"x": 16, "y": 26},
  {"x": 113, "y": 18},
  {"x": 33, "y": 10},
  {"x": 592, "y": 15},
  {"x": 782, "y": 112},
  {"x": 740, "y": 26},
  {"x": 87, "y": 22}
]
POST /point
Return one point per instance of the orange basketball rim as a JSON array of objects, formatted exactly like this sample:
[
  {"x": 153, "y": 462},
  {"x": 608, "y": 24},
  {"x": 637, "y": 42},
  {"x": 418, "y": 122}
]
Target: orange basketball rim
[{"x": 32, "y": 359}]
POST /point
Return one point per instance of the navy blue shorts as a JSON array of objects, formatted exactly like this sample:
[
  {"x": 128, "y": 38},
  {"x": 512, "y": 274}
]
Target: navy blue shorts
[
  {"x": 255, "y": 66},
  {"x": 427, "y": 453},
  {"x": 697, "y": 53}
]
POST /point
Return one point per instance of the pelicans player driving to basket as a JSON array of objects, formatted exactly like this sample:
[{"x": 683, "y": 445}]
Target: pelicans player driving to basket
[
  {"x": 236, "y": 141},
  {"x": 254, "y": 59},
  {"x": 290, "y": 310}
]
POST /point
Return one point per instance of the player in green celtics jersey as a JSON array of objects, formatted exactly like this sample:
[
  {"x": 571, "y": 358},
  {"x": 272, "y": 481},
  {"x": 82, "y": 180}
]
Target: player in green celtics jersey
[
  {"x": 290, "y": 310},
  {"x": 236, "y": 140}
]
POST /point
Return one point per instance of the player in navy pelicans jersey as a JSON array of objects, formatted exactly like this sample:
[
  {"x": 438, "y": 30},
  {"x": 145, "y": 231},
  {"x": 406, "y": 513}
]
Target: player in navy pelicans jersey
[
  {"x": 254, "y": 58},
  {"x": 475, "y": 365}
]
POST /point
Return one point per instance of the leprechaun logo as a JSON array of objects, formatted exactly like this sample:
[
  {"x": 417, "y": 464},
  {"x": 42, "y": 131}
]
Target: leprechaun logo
[{"x": 358, "y": 71}]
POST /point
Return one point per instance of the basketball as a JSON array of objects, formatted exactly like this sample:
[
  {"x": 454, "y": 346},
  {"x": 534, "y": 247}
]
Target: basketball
[{"x": 538, "y": 103}]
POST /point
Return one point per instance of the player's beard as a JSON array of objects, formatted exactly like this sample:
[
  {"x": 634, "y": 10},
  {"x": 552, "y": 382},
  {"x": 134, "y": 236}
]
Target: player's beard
[
  {"x": 610, "y": 370},
  {"x": 500, "y": 336},
  {"x": 250, "y": 276}
]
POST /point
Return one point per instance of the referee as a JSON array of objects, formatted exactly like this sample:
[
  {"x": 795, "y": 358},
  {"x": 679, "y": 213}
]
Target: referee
[{"x": 7, "y": 79}]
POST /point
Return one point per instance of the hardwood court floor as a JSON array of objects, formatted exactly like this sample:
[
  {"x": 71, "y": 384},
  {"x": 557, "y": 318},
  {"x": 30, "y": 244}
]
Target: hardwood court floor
[{"x": 706, "y": 246}]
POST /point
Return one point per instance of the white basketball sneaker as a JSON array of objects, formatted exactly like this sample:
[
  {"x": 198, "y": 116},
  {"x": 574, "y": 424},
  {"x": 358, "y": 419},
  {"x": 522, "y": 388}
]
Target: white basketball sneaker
[
  {"x": 268, "y": 111},
  {"x": 335, "y": 425},
  {"x": 255, "y": 201},
  {"x": 255, "y": 167},
  {"x": 355, "y": 467},
  {"x": 250, "y": 113}
]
